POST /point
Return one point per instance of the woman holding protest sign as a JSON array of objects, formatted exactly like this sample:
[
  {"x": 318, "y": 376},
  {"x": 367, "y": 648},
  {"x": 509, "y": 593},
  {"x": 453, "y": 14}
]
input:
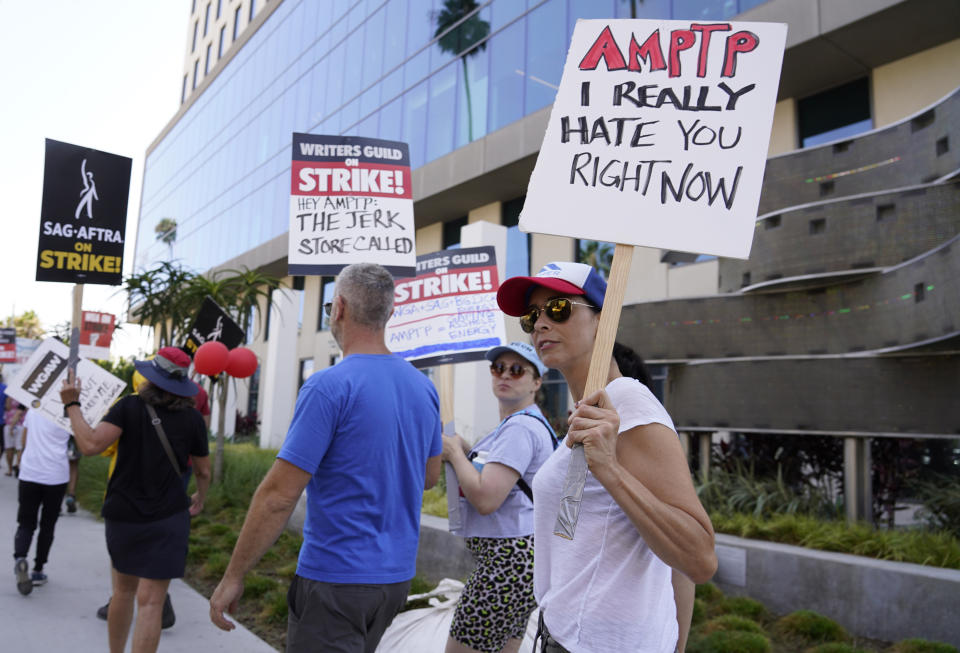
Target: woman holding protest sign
[
  {"x": 497, "y": 507},
  {"x": 146, "y": 510},
  {"x": 610, "y": 588}
]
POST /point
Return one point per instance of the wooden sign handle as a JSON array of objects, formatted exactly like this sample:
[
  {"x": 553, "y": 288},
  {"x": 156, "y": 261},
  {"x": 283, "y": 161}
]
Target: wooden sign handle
[{"x": 576, "y": 477}]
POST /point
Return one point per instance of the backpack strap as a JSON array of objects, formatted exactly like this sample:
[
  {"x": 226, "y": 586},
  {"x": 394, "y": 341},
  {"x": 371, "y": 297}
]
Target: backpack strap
[
  {"x": 522, "y": 484},
  {"x": 163, "y": 438}
]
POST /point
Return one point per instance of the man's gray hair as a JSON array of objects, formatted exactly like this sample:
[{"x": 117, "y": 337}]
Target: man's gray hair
[{"x": 368, "y": 291}]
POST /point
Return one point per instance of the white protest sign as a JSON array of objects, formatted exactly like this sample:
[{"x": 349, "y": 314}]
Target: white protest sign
[
  {"x": 659, "y": 135},
  {"x": 448, "y": 313},
  {"x": 37, "y": 384},
  {"x": 351, "y": 201}
]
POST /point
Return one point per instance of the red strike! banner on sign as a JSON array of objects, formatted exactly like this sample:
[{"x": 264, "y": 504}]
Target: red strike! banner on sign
[
  {"x": 364, "y": 179},
  {"x": 436, "y": 286}
]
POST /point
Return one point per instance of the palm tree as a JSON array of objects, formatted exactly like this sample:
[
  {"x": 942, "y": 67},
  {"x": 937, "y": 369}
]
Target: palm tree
[
  {"x": 156, "y": 300},
  {"x": 243, "y": 294},
  {"x": 597, "y": 254},
  {"x": 167, "y": 297},
  {"x": 460, "y": 38},
  {"x": 166, "y": 231}
]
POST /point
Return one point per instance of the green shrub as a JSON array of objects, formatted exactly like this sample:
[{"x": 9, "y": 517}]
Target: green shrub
[
  {"x": 921, "y": 646},
  {"x": 940, "y": 495},
  {"x": 699, "y": 612},
  {"x": 743, "y": 606},
  {"x": 708, "y": 592},
  {"x": 733, "y": 641},
  {"x": 255, "y": 585},
  {"x": 731, "y": 622},
  {"x": 834, "y": 647},
  {"x": 215, "y": 565},
  {"x": 435, "y": 501},
  {"x": 811, "y": 627},
  {"x": 917, "y": 546},
  {"x": 740, "y": 490},
  {"x": 275, "y": 607}
]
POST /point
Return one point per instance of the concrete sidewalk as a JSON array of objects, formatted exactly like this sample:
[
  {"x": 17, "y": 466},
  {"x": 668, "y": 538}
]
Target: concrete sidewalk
[{"x": 61, "y": 615}]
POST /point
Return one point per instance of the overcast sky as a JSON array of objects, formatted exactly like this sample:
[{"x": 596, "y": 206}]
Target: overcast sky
[{"x": 104, "y": 74}]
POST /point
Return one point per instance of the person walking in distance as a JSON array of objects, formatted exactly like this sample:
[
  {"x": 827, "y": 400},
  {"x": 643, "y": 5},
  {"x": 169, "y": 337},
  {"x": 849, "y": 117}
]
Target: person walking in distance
[
  {"x": 43, "y": 481},
  {"x": 365, "y": 443}
]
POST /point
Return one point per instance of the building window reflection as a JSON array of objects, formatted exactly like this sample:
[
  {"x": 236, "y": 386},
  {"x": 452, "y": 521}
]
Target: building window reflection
[{"x": 518, "y": 243}]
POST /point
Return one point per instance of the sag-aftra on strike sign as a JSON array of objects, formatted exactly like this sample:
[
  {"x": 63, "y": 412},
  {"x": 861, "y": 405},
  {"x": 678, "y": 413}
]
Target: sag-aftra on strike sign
[{"x": 83, "y": 216}]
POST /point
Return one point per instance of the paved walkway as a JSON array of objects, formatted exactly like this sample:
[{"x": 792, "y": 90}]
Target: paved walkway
[{"x": 61, "y": 615}]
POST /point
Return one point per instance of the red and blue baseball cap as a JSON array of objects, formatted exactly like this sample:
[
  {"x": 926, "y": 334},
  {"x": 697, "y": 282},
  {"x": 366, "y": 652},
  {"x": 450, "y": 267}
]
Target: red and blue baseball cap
[{"x": 565, "y": 278}]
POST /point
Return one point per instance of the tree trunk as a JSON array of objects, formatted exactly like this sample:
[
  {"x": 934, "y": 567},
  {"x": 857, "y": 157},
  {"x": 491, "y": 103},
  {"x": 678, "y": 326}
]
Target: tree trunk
[{"x": 221, "y": 425}]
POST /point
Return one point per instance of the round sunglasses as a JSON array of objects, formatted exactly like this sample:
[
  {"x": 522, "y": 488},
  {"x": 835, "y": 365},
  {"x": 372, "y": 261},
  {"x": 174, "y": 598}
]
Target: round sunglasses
[
  {"x": 557, "y": 309},
  {"x": 516, "y": 369}
]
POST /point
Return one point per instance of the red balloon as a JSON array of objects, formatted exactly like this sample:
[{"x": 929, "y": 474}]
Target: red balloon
[
  {"x": 241, "y": 363},
  {"x": 211, "y": 358}
]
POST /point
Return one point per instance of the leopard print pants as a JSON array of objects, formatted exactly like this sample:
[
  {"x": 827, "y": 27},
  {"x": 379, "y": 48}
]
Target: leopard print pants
[{"x": 498, "y": 597}]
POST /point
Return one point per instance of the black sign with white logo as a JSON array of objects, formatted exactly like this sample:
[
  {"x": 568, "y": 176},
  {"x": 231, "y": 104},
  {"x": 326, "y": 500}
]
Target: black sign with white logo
[
  {"x": 40, "y": 379},
  {"x": 213, "y": 323},
  {"x": 83, "y": 217}
]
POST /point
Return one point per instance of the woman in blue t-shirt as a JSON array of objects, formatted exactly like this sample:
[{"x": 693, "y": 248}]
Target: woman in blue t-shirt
[{"x": 497, "y": 507}]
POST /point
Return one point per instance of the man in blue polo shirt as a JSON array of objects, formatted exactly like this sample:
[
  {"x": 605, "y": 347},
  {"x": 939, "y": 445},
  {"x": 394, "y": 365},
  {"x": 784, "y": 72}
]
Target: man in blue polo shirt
[{"x": 365, "y": 442}]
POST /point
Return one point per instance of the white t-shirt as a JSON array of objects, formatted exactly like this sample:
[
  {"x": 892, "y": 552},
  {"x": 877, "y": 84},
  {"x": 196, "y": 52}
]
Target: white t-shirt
[
  {"x": 45, "y": 454},
  {"x": 605, "y": 590}
]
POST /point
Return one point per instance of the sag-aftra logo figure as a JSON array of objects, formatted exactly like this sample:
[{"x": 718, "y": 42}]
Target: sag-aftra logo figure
[{"x": 88, "y": 194}]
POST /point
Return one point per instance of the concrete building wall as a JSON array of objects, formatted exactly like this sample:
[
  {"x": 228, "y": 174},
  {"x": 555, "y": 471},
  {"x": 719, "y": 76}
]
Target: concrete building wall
[
  {"x": 430, "y": 238},
  {"x": 783, "y": 136},
  {"x": 488, "y": 212},
  {"x": 544, "y": 248},
  {"x": 906, "y": 86}
]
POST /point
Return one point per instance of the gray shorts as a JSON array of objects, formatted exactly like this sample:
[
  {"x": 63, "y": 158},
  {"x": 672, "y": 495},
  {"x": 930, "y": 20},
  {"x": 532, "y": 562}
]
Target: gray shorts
[{"x": 340, "y": 617}]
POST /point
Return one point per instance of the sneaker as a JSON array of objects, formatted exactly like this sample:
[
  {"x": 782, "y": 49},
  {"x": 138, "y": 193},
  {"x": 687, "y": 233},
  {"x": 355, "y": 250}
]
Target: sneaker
[
  {"x": 71, "y": 503},
  {"x": 103, "y": 610},
  {"x": 38, "y": 578},
  {"x": 169, "y": 618},
  {"x": 22, "y": 570}
]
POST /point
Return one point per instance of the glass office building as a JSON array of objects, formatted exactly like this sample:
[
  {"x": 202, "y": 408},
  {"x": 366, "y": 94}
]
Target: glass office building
[{"x": 437, "y": 74}]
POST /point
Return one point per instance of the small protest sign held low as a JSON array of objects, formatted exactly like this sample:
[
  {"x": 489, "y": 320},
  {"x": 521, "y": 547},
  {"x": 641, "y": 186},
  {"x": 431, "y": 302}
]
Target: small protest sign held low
[
  {"x": 96, "y": 334},
  {"x": 37, "y": 384},
  {"x": 448, "y": 313},
  {"x": 351, "y": 201},
  {"x": 213, "y": 323},
  {"x": 659, "y": 135},
  {"x": 8, "y": 345}
]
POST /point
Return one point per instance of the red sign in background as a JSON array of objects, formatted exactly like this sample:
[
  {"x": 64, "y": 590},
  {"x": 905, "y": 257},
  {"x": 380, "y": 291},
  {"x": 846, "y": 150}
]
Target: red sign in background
[
  {"x": 8, "y": 345},
  {"x": 97, "y": 329}
]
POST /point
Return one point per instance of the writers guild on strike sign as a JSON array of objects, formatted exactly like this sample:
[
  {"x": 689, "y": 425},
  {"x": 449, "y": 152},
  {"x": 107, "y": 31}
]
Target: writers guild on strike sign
[{"x": 351, "y": 200}]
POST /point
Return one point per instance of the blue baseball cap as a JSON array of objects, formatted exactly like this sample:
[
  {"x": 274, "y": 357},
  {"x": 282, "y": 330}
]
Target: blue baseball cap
[
  {"x": 523, "y": 350},
  {"x": 566, "y": 278}
]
